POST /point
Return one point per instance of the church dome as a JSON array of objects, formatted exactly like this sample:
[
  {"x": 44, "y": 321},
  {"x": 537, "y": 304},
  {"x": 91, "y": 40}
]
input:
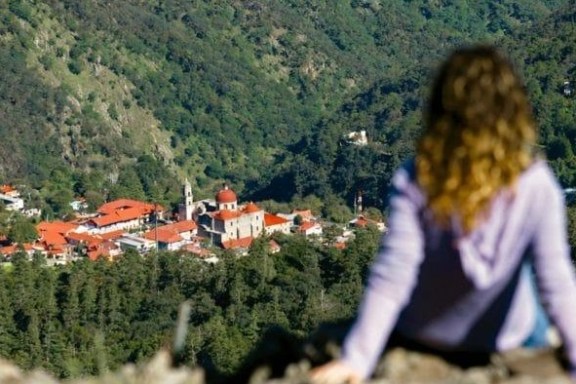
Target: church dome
[
  {"x": 251, "y": 208},
  {"x": 226, "y": 196}
]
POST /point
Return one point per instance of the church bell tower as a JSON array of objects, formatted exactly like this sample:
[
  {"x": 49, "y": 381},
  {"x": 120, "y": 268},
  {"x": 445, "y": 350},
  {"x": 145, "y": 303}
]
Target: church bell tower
[{"x": 186, "y": 207}]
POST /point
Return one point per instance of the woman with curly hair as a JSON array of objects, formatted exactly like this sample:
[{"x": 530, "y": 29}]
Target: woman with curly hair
[{"x": 477, "y": 234}]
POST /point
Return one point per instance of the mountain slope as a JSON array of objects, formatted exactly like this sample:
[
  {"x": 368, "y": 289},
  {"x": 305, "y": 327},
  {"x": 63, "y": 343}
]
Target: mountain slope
[
  {"x": 219, "y": 91},
  {"x": 390, "y": 112}
]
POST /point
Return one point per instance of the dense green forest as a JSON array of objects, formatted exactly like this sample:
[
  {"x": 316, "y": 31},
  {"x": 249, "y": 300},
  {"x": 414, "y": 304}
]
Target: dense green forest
[
  {"x": 126, "y": 98},
  {"x": 390, "y": 111},
  {"x": 88, "y": 316}
]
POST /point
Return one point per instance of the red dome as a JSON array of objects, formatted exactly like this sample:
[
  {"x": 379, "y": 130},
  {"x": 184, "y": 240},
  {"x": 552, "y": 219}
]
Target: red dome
[
  {"x": 226, "y": 196},
  {"x": 251, "y": 208}
]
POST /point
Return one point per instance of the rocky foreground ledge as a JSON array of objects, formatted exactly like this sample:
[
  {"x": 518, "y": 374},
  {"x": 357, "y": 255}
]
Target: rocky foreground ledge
[
  {"x": 280, "y": 358},
  {"x": 398, "y": 366}
]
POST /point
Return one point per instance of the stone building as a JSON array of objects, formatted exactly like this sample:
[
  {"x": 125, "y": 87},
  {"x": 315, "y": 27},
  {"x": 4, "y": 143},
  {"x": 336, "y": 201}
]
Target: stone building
[{"x": 228, "y": 224}]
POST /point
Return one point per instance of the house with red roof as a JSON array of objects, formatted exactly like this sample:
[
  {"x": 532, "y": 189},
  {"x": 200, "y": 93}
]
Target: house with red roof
[
  {"x": 273, "y": 246},
  {"x": 10, "y": 197},
  {"x": 123, "y": 214},
  {"x": 9, "y": 190},
  {"x": 93, "y": 246},
  {"x": 243, "y": 243},
  {"x": 8, "y": 251},
  {"x": 197, "y": 250},
  {"x": 172, "y": 237},
  {"x": 274, "y": 223},
  {"x": 310, "y": 228},
  {"x": 108, "y": 250},
  {"x": 52, "y": 237},
  {"x": 362, "y": 222}
]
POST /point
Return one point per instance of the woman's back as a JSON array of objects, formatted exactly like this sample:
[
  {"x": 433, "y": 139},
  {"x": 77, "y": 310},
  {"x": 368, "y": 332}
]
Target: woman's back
[
  {"x": 473, "y": 218},
  {"x": 474, "y": 290}
]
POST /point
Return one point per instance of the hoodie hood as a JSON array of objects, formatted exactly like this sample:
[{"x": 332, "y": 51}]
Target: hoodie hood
[{"x": 485, "y": 252}]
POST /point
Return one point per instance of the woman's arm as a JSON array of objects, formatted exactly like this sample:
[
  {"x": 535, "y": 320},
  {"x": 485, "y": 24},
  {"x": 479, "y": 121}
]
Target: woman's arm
[
  {"x": 553, "y": 266},
  {"x": 392, "y": 278}
]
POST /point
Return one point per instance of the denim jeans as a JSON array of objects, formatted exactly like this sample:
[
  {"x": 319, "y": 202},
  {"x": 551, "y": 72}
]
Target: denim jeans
[{"x": 538, "y": 338}]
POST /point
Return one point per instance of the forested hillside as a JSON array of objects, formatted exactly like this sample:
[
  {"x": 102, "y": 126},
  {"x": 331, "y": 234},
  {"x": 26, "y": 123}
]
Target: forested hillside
[
  {"x": 546, "y": 53},
  {"x": 88, "y": 316},
  {"x": 117, "y": 98},
  {"x": 390, "y": 111}
]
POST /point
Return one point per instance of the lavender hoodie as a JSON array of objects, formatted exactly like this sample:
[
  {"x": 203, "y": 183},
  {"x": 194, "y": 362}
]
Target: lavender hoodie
[{"x": 468, "y": 292}]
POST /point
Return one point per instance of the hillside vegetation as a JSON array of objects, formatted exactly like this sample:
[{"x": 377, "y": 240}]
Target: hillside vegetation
[
  {"x": 125, "y": 97},
  {"x": 87, "y": 317}
]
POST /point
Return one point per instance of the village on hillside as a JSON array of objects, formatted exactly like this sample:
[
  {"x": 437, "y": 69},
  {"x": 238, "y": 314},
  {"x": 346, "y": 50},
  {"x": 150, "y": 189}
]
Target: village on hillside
[{"x": 199, "y": 228}]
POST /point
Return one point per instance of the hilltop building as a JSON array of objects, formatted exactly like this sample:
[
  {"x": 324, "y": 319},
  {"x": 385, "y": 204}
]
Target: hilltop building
[
  {"x": 310, "y": 228},
  {"x": 228, "y": 224},
  {"x": 11, "y": 199},
  {"x": 172, "y": 237},
  {"x": 358, "y": 138},
  {"x": 362, "y": 221}
]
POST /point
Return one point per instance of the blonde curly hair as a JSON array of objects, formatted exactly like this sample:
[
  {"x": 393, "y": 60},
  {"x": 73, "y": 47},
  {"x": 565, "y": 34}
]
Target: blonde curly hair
[{"x": 479, "y": 135}]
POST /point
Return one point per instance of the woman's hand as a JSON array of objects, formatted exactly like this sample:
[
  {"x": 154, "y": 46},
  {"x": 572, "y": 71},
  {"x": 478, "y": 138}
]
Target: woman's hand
[{"x": 334, "y": 372}]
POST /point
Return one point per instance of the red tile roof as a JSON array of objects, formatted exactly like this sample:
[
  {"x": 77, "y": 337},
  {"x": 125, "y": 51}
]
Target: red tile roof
[
  {"x": 52, "y": 234},
  {"x": 340, "y": 245},
  {"x": 181, "y": 226},
  {"x": 96, "y": 254},
  {"x": 361, "y": 221},
  {"x": 56, "y": 226},
  {"x": 270, "y": 220},
  {"x": 103, "y": 250},
  {"x": 306, "y": 226},
  {"x": 226, "y": 214},
  {"x": 8, "y": 250},
  {"x": 163, "y": 236},
  {"x": 5, "y": 188},
  {"x": 11, "y": 249},
  {"x": 122, "y": 204},
  {"x": 251, "y": 208},
  {"x": 226, "y": 195},
  {"x": 122, "y": 210},
  {"x": 119, "y": 216},
  {"x": 170, "y": 233},
  {"x": 238, "y": 243},
  {"x": 53, "y": 239},
  {"x": 84, "y": 237},
  {"x": 112, "y": 235}
]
